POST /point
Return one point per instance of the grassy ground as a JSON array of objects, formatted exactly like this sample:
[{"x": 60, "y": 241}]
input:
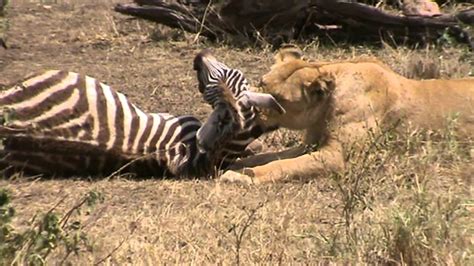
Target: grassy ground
[{"x": 406, "y": 200}]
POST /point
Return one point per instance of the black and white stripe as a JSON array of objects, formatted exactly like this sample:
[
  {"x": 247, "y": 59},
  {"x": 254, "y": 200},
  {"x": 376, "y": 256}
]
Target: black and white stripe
[
  {"x": 65, "y": 123},
  {"x": 224, "y": 87}
]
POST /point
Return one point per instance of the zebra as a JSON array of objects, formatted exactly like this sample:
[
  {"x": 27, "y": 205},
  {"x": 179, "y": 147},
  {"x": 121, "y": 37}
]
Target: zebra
[
  {"x": 67, "y": 124},
  {"x": 227, "y": 91}
]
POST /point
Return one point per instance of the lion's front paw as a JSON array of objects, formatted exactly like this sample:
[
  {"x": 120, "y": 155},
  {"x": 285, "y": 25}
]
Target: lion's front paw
[{"x": 235, "y": 177}]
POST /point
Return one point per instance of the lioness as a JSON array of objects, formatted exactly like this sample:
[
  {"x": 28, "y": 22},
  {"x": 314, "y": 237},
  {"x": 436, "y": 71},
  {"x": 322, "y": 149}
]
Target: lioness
[{"x": 340, "y": 102}]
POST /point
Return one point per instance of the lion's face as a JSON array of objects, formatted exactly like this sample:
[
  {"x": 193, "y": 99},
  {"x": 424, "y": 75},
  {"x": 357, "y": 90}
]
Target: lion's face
[{"x": 300, "y": 88}]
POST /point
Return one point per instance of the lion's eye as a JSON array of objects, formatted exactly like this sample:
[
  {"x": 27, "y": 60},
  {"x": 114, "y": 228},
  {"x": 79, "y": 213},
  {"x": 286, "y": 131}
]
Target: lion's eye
[{"x": 261, "y": 83}]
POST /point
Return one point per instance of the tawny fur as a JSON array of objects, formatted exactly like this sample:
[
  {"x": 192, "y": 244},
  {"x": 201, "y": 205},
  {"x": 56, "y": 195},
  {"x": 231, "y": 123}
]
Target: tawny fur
[{"x": 336, "y": 103}]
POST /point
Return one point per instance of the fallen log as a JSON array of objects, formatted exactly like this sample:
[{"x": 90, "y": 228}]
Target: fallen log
[
  {"x": 290, "y": 19},
  {"x": 466, "y": 16},
  {"x": 363, "y": 19}
]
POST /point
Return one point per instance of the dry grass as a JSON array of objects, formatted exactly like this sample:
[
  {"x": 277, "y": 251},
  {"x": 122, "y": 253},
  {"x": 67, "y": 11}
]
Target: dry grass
[{"x": 405, "y": 198}]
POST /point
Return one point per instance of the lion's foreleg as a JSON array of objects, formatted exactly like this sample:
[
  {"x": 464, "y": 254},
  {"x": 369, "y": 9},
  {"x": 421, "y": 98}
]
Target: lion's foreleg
[{"x": 328, "y": 159}]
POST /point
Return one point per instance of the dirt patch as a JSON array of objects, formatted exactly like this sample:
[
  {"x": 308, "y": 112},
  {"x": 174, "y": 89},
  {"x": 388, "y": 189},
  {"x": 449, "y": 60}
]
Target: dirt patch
[{"x": 92, "y": 39}]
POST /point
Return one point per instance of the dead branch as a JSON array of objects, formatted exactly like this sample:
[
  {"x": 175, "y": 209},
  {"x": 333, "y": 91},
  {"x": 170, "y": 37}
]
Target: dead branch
[{"x": 292, "y": 19}]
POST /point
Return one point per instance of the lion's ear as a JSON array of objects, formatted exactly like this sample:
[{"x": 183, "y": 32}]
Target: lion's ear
[
  {"x": 288, "y": 52},
  {"x": 321, "y": 86}
]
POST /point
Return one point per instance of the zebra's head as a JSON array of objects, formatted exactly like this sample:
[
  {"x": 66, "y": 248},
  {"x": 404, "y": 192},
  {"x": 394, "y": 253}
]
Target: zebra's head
[{"x": 227, "y": 91}]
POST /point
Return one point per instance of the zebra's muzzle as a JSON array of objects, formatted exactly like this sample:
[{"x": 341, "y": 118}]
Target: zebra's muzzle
[
  {"x": 262, "y": 100},
  {"x": 217, "y": 130}
]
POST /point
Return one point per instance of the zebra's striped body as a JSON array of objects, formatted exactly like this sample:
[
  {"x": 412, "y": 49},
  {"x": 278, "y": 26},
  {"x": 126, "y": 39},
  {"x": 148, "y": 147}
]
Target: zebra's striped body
[
  {"x": 65, "y": 123},
  {"x": 227, "y": 89}
]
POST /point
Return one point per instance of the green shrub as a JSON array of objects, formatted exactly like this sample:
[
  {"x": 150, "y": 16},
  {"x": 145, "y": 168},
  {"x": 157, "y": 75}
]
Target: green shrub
[
  {"x": 46, "y": 233},
  {"x": 391, "y": 210}
]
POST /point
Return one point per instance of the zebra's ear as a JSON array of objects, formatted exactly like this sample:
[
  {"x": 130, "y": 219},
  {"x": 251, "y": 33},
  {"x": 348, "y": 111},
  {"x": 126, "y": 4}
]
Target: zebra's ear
[{"x": 264, "y": 100}]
